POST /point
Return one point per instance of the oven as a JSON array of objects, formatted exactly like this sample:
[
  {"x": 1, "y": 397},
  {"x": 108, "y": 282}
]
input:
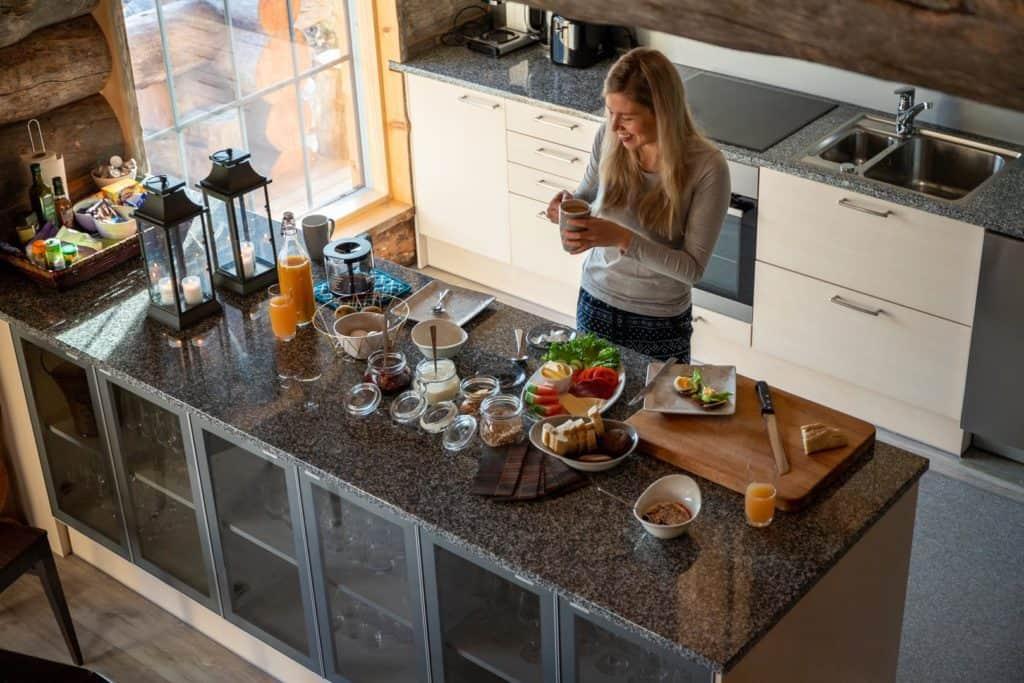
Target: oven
[{"x": 728, "y": 283}]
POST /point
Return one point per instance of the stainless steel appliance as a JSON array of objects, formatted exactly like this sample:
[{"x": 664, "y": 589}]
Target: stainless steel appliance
[
  {"x": 995, "y": 368},
  {"x": 728, "y": 283},
  {"x": 511, "y": 29},
  {"x": 577, "y": 43}
]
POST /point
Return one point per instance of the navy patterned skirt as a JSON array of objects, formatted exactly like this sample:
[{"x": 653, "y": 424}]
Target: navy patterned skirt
[{"x": 656, "y": 337}]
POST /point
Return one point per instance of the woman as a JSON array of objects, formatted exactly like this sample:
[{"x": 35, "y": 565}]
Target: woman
[{"x": 659, "y": 191}]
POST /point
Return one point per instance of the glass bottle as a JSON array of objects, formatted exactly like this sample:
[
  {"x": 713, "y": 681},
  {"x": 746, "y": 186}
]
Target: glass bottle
[
  {"x": 62, "y": 204},
  {"x": 295, "y": 271},
  {"x": 41, "y": 196}
]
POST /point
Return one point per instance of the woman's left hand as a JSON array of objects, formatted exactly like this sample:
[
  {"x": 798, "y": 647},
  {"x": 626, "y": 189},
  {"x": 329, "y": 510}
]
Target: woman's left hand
[{"x": 595, "y": 232}]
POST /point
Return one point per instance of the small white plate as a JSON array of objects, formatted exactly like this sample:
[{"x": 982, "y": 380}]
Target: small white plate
[
  {"x": 663, "y": 397},
  {"x": 538, "y": 427}
]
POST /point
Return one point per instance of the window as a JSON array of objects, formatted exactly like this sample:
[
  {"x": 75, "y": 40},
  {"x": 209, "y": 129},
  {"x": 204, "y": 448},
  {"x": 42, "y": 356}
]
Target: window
[{"x": 273, "y": 77}]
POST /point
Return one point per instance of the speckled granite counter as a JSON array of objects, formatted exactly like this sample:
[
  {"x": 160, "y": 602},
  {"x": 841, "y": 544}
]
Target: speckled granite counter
[
  {"x": 585, "y": 546},
  {"x": 529, "y": 76}
]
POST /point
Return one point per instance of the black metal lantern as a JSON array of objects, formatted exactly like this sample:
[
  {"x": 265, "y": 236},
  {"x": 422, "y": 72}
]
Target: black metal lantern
[
  {"x": 241, "y": 238},
  {"x": 172, "y": 232}
]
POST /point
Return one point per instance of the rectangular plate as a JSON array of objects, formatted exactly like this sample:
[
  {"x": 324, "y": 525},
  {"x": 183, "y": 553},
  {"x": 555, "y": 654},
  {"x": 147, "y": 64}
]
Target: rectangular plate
[
  {"x": 461, "y": 306},
  {"x": 663, "y": 398}
]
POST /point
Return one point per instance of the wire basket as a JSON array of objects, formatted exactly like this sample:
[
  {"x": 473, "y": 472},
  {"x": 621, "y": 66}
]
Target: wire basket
[{"x": 394, "y": 308}]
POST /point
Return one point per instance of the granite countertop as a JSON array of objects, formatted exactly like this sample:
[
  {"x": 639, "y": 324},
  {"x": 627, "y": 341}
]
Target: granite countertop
[
  {"x": 529, "y": 76},
  {"x": 585, "y": 545}
]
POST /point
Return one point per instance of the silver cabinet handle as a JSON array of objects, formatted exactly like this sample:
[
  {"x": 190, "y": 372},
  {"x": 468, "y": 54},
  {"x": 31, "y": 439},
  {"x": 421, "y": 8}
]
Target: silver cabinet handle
[
  {"x": 699, "y": 319},
  {"x": 540, "y": 118},
  {"x": 272, "y": 456},
  {"x": 483, "y": 104},
  {"x": 847, "y": 204},
  {"x": 840, "y": 301},
  {"x": 564, "y": 158},
  {"x": 542, "y": 214},
  {"x": 733, "y": 211},
  {"x": 554, "y": 186}
]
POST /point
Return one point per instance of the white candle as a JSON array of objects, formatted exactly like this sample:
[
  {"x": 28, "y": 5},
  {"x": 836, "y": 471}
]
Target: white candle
[
  {"x": 192, "y": 290},
  {"x": 166, "y": 291},
  {"x": 248, "y": 253}
]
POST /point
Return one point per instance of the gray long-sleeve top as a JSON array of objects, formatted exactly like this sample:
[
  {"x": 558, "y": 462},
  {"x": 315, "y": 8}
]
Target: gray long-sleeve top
[{"x": 654, "y": 275}]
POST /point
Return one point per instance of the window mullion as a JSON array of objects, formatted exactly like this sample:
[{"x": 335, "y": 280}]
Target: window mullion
[
  {"x": 171, "y": 93},
  {"x": 298, "y": 105}
]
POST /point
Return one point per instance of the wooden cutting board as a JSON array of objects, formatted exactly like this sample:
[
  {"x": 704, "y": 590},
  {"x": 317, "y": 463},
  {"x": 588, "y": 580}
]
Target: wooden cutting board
[{"x": 718, "y": 447}]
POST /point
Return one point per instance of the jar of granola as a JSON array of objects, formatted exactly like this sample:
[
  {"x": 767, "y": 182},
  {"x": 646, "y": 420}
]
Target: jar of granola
[{"x": 501, "y": 420}]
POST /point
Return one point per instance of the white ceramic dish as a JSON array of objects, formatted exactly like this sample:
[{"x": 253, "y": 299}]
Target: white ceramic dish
[
  {"x": 674, "y": 488},
  {"x": 663, "y": 397},
  {"x": 461, "y": 306},
  {"x": 85, "y": 220},
  {"x": 450, "y": 337},
  {"x": 117, "y": 231},
  {"x": 360, "y": 346},
  {"x": 538, "y": 427},
  {"x": 537, "y": 379}
]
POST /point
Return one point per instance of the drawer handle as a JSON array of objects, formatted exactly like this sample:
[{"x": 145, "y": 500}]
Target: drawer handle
[
  {"x": 540, "y": 118},
  {"x": 840, "y": 301},
  {"x": 542, "y": 215},
  {"x": 554, "y": 186},
  {"x": 699, "y": 319},
  {"x": 558, "y": 156},
  {"x": 847, "y": 204},
  {"x": 272, "y": 456},
  {"x": 483, "y": 104}
]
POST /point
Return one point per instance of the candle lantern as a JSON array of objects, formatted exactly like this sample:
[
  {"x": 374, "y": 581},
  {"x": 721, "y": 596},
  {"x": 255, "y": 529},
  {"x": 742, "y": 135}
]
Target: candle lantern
[
  {"x": 172, "y": 232},
  {"x": 241, "y": 237}
]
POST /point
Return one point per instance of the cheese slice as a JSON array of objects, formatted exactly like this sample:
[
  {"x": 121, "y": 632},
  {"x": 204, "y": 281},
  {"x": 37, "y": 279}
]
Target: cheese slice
[
  {"x": 595, "y": 419},
  {"x": 578, "y": 406},
  {"x": 821, "y": 437}
]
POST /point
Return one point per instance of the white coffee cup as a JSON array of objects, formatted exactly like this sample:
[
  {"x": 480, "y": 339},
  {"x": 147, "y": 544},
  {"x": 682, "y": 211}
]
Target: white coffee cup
[{"x": 571, "y": 209}]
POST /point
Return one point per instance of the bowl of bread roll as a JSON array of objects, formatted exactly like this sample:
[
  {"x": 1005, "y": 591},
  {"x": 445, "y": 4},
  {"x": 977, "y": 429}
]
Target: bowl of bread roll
[{"x": 588, "y": 444}]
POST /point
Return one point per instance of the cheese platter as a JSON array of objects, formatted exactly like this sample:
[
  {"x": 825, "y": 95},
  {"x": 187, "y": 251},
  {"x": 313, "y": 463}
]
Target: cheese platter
[{"x": 576, "y": 375}]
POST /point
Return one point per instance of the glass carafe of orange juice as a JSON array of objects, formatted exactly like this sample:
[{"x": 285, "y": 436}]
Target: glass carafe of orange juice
[{"x": 295, "y": 271}]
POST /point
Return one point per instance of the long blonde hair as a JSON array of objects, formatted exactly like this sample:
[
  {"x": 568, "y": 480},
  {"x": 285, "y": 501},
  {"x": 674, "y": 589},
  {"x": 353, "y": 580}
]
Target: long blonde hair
[{"x": 648, "y": 78}]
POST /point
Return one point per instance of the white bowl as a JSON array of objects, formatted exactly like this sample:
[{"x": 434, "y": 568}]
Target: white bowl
[
  {"x": 675, "y": 488},
  {"x": 360, "y": 346},
  {"x": 117, "y": 231},
  {"x": 85, "y": 220},
  {"x": 538, "y": 427},
  {"x": 450, "y": 338}
]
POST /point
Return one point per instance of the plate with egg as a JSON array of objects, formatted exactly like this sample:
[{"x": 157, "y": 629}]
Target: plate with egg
[{"x": 692, "y": 390}]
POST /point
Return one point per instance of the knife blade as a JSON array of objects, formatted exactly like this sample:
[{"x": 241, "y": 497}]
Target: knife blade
[
  {"x": 654, "y": 380},
  {"x": 764, "y": 395}
]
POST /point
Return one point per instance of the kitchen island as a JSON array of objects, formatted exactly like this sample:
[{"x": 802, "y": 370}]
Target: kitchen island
[{"x": 725, "y": 601}]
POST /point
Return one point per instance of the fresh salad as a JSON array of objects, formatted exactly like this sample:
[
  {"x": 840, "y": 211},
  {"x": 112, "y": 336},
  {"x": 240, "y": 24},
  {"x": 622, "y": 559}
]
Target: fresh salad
[
  {"x": 576, "y": 375},
  {"x": 705, "y": 394},
  {"x": 585, "y": 351}
]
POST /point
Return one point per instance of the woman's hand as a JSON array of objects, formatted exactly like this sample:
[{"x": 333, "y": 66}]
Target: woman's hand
[
  {"x": 595, "y": 232},
  {"x": 556, "y": 202}
]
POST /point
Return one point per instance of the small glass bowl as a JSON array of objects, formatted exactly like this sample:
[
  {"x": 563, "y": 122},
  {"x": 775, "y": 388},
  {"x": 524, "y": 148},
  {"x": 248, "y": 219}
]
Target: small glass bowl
[
  {"x": 362, "y": 399},
  {"x": 459, "y": 433},
  {"x": 407, "y": 407},
  {"x": 436, "y": 418}
]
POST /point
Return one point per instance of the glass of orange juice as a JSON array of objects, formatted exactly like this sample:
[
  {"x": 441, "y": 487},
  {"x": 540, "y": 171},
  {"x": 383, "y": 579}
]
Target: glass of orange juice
[
  {"x": 759, "y": 500},
  {"x": 283, "y": 318}
]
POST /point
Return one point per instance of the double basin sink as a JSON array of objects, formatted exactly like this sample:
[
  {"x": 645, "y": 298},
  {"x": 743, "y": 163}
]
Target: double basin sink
[{"x": 928, "y": 162}]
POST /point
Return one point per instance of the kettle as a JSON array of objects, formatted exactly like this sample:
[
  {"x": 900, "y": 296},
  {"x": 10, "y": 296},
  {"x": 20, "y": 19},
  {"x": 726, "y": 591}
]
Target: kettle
[{"x": 577, "y": 43}]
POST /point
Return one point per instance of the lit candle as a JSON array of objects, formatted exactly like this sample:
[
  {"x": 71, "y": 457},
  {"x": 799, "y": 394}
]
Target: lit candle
[
  {"x": 248, "y": 254},
  {"x": 192, "y": 290},
  {"x": 166, "y": 291}
]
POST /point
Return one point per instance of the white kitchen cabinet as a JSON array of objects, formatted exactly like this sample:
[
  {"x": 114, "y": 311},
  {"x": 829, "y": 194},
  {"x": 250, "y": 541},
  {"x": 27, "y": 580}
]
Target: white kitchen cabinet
[
  {"x": 547, "y": 156},
  {"x": 888, "y": 251},
  {"x": 537, "y": 245},
  {"x": 711, "y": 327},
  {"x": 890, "y": 349},
  {"x": 539, "y": 122},
  {"x": 537, "y": 185},
  {"x": 459, "y": 166}
]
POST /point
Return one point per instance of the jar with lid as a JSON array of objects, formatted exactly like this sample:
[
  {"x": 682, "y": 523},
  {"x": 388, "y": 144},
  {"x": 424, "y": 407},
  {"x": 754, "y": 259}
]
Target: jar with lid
[
  {"x": 501, "y": 420},
  {"x": 437, "y": 381},
  {"x": 474, "y": 390},
  {"x": 388, "y": 370}
]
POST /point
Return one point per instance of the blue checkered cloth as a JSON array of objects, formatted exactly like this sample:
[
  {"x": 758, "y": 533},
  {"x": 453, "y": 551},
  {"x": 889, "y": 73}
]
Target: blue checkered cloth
[{"x": 383, "y": 284}]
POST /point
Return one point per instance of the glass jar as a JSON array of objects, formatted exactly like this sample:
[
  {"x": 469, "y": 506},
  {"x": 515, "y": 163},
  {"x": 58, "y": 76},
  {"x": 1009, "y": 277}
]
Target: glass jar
[
  {"x": 388, "y": 370},
  {"x": 438, "y": 416},
  {"x": 407, "y": 407},
  {"x": 501, "y": 420},
  {"x": 437, "y": 381},
  {"x": 474, "y": 390}
]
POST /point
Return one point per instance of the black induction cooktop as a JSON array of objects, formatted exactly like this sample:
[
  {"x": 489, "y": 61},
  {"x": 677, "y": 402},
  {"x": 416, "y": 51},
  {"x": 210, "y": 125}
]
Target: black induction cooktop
[{"x": 751, "y": 115}]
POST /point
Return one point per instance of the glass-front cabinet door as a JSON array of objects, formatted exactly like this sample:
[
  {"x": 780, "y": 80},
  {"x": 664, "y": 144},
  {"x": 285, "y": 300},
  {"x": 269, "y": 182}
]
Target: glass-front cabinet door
[
  {"x": 258, "y": 543},
  {"x": 160, "y": 490},
  {"x": 594, "y": 650},
  {"x": 486, "y": 624},
  {"x": 64, "y": 406},
  {"x": 367, "y": 586}
]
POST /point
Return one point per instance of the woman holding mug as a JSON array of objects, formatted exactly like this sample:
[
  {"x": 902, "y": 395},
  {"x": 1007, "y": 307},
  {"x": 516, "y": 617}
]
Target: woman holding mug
[{"x": 659, "y": 192}]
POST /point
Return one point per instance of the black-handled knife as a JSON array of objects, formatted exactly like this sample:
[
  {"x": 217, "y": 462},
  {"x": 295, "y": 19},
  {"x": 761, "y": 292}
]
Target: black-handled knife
[{"x": 764, "y": 394}]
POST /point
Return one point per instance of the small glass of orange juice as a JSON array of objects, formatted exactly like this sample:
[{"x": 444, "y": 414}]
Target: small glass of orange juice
[
  {"x": 283, "y": 317},
  {"x": 759, "y": 499}
]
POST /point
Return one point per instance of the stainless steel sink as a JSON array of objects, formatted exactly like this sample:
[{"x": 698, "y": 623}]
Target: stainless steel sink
[{"x": 928, "y": 162}]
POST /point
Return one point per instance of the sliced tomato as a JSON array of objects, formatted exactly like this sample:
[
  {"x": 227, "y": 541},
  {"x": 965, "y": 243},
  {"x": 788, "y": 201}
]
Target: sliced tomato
[
  {"x": 599, "y": 372},
  {"x": 594, "y": 388},
  {"x": 547, "y": 410}
]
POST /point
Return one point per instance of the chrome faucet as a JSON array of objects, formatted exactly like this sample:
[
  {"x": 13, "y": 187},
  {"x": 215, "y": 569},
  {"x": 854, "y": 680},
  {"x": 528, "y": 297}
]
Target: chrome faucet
[{"x": 907, "y": 111}]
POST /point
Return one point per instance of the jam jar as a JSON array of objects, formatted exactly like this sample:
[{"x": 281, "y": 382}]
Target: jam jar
[{"x": 388, "y": 370}]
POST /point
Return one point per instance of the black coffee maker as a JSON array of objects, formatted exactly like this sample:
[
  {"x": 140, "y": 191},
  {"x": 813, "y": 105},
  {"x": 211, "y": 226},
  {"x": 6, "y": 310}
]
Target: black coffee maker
[{"x": 577, "y": 43}]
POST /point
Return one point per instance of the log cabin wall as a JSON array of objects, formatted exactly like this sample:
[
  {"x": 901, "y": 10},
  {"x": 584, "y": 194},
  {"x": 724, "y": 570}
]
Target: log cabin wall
[{"x": 423, "y": 22}]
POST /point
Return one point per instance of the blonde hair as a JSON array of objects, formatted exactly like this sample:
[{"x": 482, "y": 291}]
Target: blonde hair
[{"x": 649, "y": 79}]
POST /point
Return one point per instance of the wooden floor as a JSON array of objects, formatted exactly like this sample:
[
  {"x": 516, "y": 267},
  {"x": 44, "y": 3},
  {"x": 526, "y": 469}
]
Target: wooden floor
[{"x": 123, "y": 636}]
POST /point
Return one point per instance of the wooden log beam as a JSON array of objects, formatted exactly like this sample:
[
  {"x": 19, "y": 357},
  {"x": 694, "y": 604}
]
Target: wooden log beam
[
  {"x": 52, "y": 67},
  {"x": 967, "y": 48},
  {"x": 18, "y": 18}
]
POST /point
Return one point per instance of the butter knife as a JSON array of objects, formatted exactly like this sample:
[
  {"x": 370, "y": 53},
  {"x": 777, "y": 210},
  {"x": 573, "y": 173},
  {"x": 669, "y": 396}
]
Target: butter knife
[
  {"x": 654, "y": 380},
  {"x": 764, "y": 394}
]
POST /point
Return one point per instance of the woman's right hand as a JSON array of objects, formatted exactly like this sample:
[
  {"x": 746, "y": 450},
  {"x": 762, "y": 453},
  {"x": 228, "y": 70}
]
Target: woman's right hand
[{"x": 555, "y": 202}]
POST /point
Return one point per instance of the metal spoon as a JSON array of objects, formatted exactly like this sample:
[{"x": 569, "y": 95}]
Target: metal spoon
[
  {"x": 433, "y": 346},
  {"x": 439, "y": 306},
  {"x": 520, "y": 356}
]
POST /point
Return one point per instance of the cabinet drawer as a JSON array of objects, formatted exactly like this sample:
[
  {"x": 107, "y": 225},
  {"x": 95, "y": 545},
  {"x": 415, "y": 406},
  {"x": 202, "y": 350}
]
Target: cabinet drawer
[
  {"x": 709, "y": 326},
  {"x": 892, "y": 252},
  {"x": 536, "y": 245},
  {"x": 547, "y": 156},
  {"x": 538, "y": 185},
  {"x": 887, "y": 348},
  {"x": 545, "y": 124}
]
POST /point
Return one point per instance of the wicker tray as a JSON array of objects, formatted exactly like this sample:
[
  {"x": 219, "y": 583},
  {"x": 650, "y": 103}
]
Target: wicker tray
[{"x": 81, "y": 270}]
